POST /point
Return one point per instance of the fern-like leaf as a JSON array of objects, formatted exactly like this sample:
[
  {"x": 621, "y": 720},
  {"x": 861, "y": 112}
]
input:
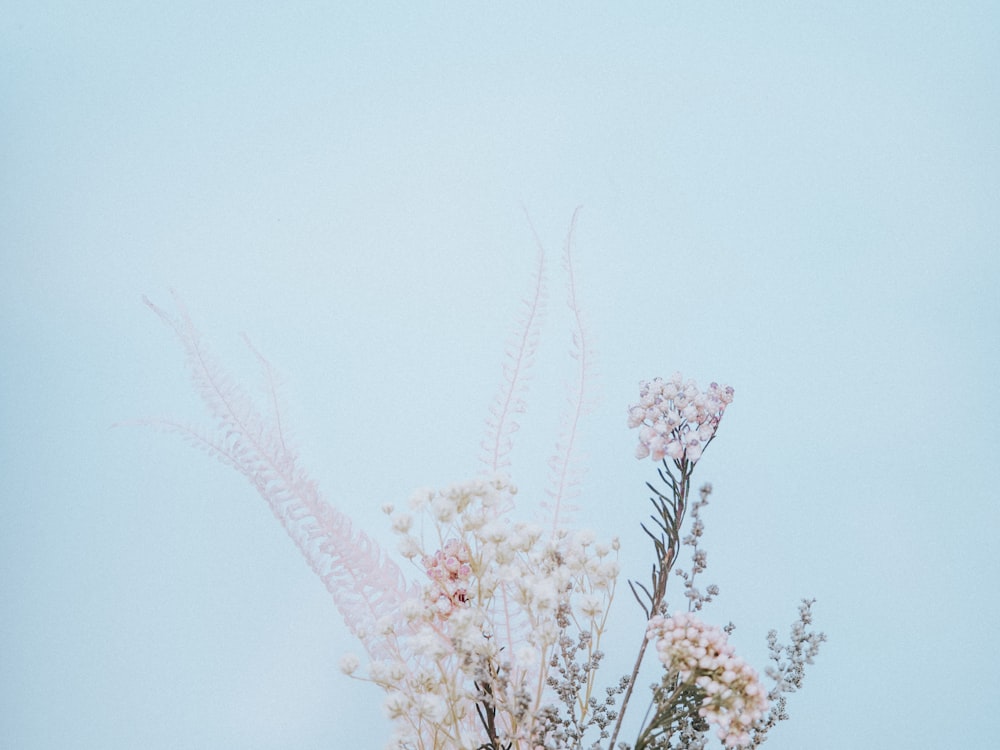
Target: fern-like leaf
[
  {"x": 501, "y": 424},
  {"x": 565, "y": 462},
  {"x": 365, "y": 585}
]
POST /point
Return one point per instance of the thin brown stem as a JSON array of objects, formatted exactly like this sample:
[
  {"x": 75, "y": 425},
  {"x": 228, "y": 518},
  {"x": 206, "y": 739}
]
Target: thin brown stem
[{"x": 669, "y": 546}]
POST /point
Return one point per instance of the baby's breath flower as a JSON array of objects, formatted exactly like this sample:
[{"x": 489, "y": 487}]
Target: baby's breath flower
[
  {"x": 411, "y": 608},
  {"x": 402, "y": 522},
  {"x": 443, "y": 507},
  {"x": 430, "y": 707},
  {"x": 591, "y": 606},
  {"x": 420, "y": 499},
  {"x": 397, "y": 670},
  {"x": 378, "y": 671},
  {"x": 349, "y": 664},
  {"x": 608, "y": 571},
  {"x": 396, "y": 705},
  {"x": 408, "y": 547}
]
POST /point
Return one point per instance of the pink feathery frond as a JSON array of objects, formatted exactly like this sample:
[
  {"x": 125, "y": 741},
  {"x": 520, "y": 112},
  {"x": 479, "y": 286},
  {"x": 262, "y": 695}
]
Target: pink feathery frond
[
  {"x": 271, "y": 379},
  {"x": 365, "y": 585},
  {"x": 519, "y": 356},
  {"x": 564, "y": 464}
]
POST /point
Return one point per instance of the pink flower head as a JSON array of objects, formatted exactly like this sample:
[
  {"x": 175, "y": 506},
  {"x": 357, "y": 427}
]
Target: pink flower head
[
  {"x": 450, "y": 569},
  {"x": 732, "y": 697},
  {"x": 675, "y": 419}
]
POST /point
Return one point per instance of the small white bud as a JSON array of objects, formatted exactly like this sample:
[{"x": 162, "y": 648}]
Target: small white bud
[
  {"x": 402, "y": 523},
  {"x": 349, "y": 664}
]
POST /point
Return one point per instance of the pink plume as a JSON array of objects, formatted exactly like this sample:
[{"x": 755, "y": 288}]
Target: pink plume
[
  {"x": 520, "y": 353},
  {"x": 366, "y": 586},
  {"x": 564, "y": 463}
]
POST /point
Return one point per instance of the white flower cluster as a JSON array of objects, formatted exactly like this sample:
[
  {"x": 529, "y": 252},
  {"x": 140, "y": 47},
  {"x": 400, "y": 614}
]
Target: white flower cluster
[
  {"x": 700, "y": 655},
  {"x": 676, "y": 419},
  {"x": 493, "y": 596}
]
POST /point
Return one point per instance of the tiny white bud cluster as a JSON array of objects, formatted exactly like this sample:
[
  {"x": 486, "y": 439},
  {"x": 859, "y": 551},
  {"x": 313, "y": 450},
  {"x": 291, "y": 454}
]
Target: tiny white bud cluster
[
  {"x": 676, "y": 419},
  {"x": 700, "y": 654}
]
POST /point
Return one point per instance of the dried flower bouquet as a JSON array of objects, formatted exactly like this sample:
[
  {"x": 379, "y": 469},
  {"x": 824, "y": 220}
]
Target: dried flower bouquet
[{"x": 497, "y": 640}]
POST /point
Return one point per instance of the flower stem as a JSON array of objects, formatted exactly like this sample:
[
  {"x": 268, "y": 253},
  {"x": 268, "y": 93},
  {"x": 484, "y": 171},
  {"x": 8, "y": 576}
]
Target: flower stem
[{"x": 670, "y": 521}]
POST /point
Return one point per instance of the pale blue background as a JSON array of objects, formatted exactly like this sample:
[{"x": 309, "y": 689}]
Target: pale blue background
[{"x": 799, "y": 199}]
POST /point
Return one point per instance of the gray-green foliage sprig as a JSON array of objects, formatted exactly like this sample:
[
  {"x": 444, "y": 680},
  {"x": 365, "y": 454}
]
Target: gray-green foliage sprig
[
  {"x": 697, "y": 598},
  {"x": 675, "y": 721},
  {"x": 566, "y": 726},
  {"x": 674, "y": 716},
  {"x": 788, "y": 668},
  {"x": 668, "y": 518}
]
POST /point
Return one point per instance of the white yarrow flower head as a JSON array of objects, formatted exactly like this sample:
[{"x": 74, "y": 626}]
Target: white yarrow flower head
[
  {"x": 732, "y": 697},
  {"x": 676, "y": 419}
]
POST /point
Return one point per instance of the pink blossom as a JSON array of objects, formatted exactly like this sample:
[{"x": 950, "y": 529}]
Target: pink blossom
[
  {"x": 701, "y": 655},
  {"x": 449, "y": 567},
  {"x": 675, "y": 419}
]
